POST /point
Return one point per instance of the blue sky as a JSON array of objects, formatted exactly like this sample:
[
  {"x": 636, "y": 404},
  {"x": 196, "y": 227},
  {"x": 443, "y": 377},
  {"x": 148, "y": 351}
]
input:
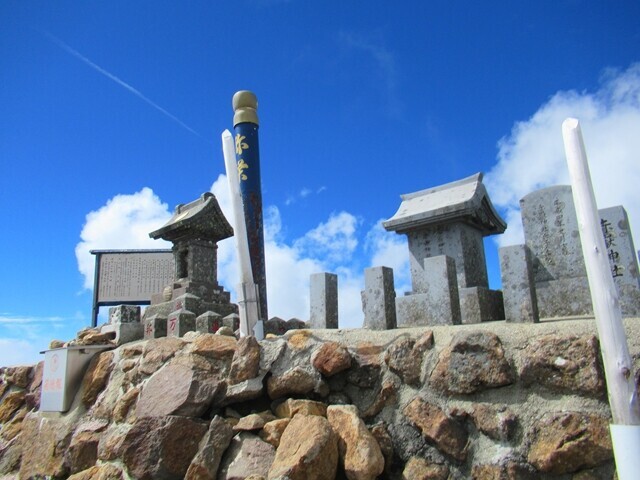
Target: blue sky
[{"x": 111, "y": 114}]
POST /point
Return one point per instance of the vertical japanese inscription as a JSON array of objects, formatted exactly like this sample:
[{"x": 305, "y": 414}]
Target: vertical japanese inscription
[{"x": 133, "y": 276}]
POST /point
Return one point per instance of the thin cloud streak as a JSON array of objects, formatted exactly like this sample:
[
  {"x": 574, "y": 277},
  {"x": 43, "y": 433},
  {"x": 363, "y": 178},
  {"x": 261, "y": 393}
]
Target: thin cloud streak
[{"x": 120, "y": 82}]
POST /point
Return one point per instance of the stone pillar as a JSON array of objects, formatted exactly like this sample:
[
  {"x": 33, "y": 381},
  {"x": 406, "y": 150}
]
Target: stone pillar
[
  {"x": 622, "y": 258},
  {"x": 440, "y": 302},
  {"x": 378, "y": 299},
  {"x": 155, "y": 326},
  {"x": 208, "y": 322},
  {"x": 124, "y": 321},
  {"x": 518, "y": 288},
  {"x": 323, "y": 300},
  {"x": 180, "y": 322}
]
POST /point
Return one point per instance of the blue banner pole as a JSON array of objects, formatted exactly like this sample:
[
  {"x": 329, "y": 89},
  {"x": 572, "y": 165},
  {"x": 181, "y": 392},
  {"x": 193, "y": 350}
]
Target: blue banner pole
[{"x": 245, "y": 124}]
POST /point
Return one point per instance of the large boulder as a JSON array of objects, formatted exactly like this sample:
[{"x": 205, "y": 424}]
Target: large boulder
[
  {"x": 247, "y": 455},
  {"x": 308, "y": 450},
  {"x": 162, "y": 447},
  {"x": 204, "y": 465},
  {"x": 360, "y": 453}
]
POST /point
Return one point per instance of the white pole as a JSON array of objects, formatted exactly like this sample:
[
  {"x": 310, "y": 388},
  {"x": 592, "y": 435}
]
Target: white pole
[
  {"x": 625, "y": 430},
  {"x": 247, "y": 290}
]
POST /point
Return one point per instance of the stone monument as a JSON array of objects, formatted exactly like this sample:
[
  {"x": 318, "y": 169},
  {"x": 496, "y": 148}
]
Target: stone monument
[
  {"x": 448, "y": 221},
  {"x": 194, "y": 229},
  {"x": 557, "y": 284}
]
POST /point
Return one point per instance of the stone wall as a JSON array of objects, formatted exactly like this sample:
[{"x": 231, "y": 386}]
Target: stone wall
[{"x": 486, "y": 401}]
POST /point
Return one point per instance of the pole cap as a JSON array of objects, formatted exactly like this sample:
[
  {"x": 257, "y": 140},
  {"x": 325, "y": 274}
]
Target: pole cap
[{"x": 245, "y": 106}]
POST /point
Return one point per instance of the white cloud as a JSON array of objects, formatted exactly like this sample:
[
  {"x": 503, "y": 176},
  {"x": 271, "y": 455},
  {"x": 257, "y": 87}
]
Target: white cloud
[
  {"x": 532, "y": 155},
  {"x": 15, "y": 351},
  {"x": 390, "y": 250},
  {"x": 334, "y": 239},
  {"x": 123, "y": 223}
]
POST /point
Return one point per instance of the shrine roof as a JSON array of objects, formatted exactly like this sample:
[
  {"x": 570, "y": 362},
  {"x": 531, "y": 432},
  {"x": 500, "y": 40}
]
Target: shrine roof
[
  {"x": 201, "y": 219},
  {"x": 464, "y": 200}
]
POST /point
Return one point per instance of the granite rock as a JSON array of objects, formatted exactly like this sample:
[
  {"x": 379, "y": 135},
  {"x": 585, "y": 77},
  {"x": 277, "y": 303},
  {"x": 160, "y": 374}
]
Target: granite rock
[
  {"x": 247, "y": 455},
  {"x": 206, "y": 462}
]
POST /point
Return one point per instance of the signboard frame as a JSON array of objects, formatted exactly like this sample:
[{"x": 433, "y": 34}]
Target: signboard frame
[{"x": 133, "y": 298}]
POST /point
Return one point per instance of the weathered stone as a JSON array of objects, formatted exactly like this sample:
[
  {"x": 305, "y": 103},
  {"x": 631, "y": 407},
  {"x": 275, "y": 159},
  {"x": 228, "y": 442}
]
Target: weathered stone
[
  {"x": 243, "y": 391},
  {"x": 10, "y": 405},
  {"x": 177, "y": 390},
  {"x": 205, "y": 464},
  {"x": 10, "y": 455},
  {"x": 273, "y": 430},
  {"x": 96, "y": 377},
  {"x": 131, "y": 351},
  {"x": 323, "y": 300},
  {"x": 226, "y": 331},
  {"x": 155, "y": 326},
  {"x": 98, "y": 338},
  {"x": 105, "y": 471},
  {"x": 290, "y": 407},
  {"x": 385, "y": 442},
  {"x": 44, "y": 441},
  {"x": 83, "y": 451},
  {"x": 509, "y": 470},
  {"x": 214, "y": 346},
  {"x": 518, "y": 287},
  {"x": 180, "y": 323},
  {"x": 124, "y": 404},
  {"x": 359, "y": 451},
  {"x": 384, "y": 396},
  {"x": 405, "y": 356},
  {"x": 308, "y": 450},
  {"x": 275, "y": 326},
  {"x": 111, "y": 441},
  {"x": 421, "y": 469},
  {"x": 56, "y": 344},
  {"x": 246, "y": 360},
  {"x": 473, "y": 361},
  {"x": 250, "y": 422},
  {"x": 445, "y": 433},
  {"x": 331, "y": 358},
  {"x": 158, "y": 351},
  {"x": 208, "y": 322},
  {"x": 569, "y": 441},
  {"x": 296, "y": 381},
  {"x": 379, "y": 299},
  {"x": 13, "y": 428},
  {"x": 19, "y": 376},
  {"x": 497, "y": 423},
  {"x": 566, "y": 364},
  {"x": 247, "y": 455},
  {"x": 161, "y": 447}
]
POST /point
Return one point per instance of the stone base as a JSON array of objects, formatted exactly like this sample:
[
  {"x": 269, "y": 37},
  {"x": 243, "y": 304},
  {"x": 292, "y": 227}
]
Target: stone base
[
  {"x": 208, "y": 322},
  {"x": 479, "y": 304},
  {"x": 124, "y": 314},
  {"x": 416, "y": 310},
  {"x": 207, "y": 292},
  {"x": 189, "y": 302},
  {"x": 155, "y": 327},
  {"x": 180, "y": 322},
  {"x": 125, "y": 332},
  {"x": 567, "y": 297}
]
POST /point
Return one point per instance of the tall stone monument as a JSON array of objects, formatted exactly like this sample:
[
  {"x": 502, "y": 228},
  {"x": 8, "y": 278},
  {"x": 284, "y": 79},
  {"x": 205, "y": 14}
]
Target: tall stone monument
[
  {"x": 448, "y": 221},
  {"x": 555, "y": 266},
  {"x": 194, "y": 229}
]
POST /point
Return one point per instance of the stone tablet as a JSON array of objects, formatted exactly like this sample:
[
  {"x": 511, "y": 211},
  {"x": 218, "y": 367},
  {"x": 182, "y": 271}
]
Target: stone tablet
[{"x": 323, "y": 300}]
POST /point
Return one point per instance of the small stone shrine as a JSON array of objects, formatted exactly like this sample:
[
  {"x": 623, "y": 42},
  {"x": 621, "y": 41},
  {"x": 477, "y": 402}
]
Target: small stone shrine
[
  {"x": 548, "y": 277},
  {"x": 195, "y": 229},
  {"x": 445, "y": 227}
]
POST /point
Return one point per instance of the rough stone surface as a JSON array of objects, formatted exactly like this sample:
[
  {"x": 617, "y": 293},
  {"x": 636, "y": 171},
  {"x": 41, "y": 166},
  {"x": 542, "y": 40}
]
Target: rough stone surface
[
  {"x": 498, "y": 423},
  {"x": 379, "y": 299},
  {"x": 83, "y": 451},
  {"x": 161, "y": 447},
  {"x": 564, "y": 364},
  {"x": 124, "y": 404},
  {"x": 273, "y": 430},
  {"x": 323, "y": 295},
  {"x": 308, "y": 450},
  {"x": 206, "y": 462},
  {"x": 157, "y": 351},
  {"x": 246, "y": 360},
  {"x": 568, "y": 442},
  {"x": 473, "y": 361},
  {"x": 44, "y": 442},
  {"x": 177, "y": 390},
  {"x": 96, "y": 377},
  {"x": 296, "y": 381},
  {"x": 247, "y": 455},
  {"x": 509, "y": 470},
  {"x": 446, "y": 434},
  {"x": 518, "y": 288},
  {"x": 359, "y": 451},
  {"x": 19, "y": 376},
  {"x": 420, "y": 469},
  {"x": 10, "y": 405},
  {"x": 290, "y": 407},
  {"x": 105, "y": 471},
  {"x": 405, "y": 357},
  {"x": 331, "y": 358},
  {"x": 250, "y": 422},
  {"x": 214, "y": 346}
]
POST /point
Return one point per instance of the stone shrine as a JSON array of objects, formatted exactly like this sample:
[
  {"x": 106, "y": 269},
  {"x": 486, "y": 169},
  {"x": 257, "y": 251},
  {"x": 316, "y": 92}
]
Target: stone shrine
[
  {"x": 194, "y": 229},
  {"x": 448, "y": 221},
  {"x": 549, "y": 279}
]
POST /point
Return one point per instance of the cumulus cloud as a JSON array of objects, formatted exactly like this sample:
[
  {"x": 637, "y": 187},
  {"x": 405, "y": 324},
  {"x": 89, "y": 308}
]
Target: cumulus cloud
[
  {"x": 532, "y": 155},
  {"x": 123, "y": 223}
]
